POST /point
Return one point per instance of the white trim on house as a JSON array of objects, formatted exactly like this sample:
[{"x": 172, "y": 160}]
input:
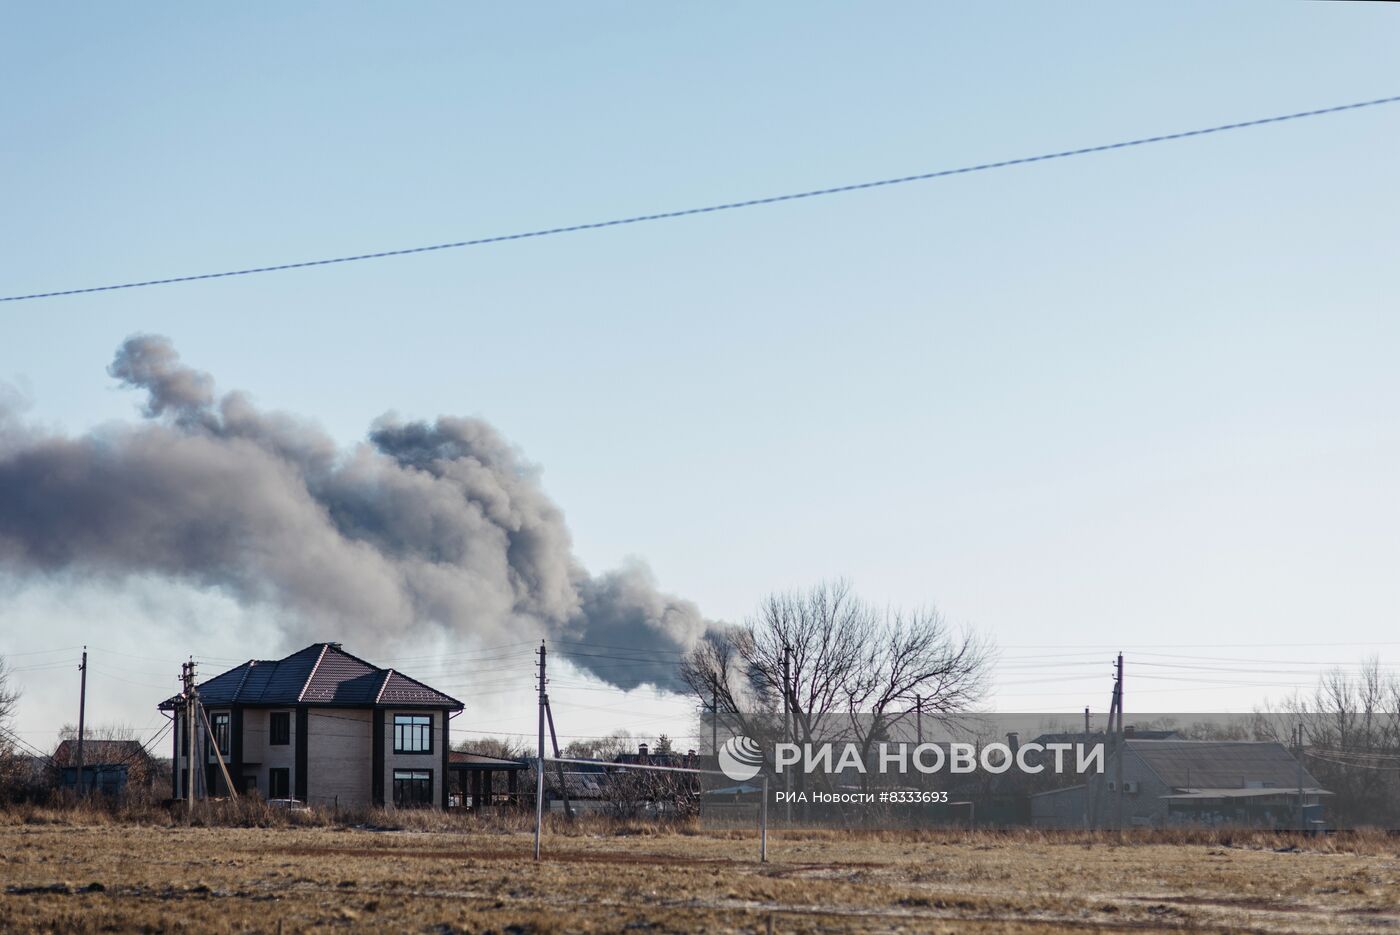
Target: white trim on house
[{"x": 312, "y": 676}]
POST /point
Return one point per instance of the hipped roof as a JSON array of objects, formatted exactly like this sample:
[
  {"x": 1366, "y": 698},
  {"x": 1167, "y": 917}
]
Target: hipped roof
[{"x": 320, "y": 674}]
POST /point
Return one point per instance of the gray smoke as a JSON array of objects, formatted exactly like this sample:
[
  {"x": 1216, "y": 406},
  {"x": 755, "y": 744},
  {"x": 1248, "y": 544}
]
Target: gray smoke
[{"x": 439, "y": 526}]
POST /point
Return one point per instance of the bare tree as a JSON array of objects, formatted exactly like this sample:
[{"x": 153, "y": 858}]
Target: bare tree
[
  {"x": 9, "y": 702},
  {"x": 114, "y": 731},
  {"x": 11, "y": 773},
  {"x": 853, "y": 671},
  {"x": 1351, "y": 729},
  {"x": 507, "y": 748},
  {"x": 600, "y": 748},
  {"x": 913, "y": 658}
]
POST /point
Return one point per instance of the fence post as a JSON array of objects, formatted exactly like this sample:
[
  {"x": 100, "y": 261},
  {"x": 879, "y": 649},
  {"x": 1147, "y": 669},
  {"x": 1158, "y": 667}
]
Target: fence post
[{"x": 763, "y": 824}]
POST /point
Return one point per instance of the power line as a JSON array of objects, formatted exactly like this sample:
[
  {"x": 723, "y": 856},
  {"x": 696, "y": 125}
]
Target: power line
[
  {"x": 1139, "y": 647},
  {"x": 42, "y": 652},
  {"x": 710, "y": 209},
  {"x": 1336, "y": 762}
]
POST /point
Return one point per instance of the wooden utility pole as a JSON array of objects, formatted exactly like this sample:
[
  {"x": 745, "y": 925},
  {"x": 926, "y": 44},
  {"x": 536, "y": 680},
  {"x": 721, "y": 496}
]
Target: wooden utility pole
[
  {"x": 1086, "y": 785},
  {"x": 82, "y": 714},
  {"x": 218, "y": 755},
  {"x": 1122, "y": 738},
  {"x": 539, "y": 761},
  {"x": 1298, "y": 752},
  {"x": 187, "y": 678},
  {"x": 1112, "y": 744},
  {"x": 559, "y": 767}
]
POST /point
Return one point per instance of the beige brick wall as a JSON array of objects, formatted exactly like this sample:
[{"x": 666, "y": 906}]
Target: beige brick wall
[
  {"x": 260, "y": 756},
  {"x": 338, "y": 756}
]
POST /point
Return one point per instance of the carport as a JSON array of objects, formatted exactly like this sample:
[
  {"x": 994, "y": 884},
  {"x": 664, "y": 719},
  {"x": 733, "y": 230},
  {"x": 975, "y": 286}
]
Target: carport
[{"x": 472, "y": 776}]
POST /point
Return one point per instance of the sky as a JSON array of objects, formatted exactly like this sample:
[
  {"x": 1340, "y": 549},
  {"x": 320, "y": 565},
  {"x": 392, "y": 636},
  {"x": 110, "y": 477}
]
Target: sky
[{"x": 1142, "y": 400}]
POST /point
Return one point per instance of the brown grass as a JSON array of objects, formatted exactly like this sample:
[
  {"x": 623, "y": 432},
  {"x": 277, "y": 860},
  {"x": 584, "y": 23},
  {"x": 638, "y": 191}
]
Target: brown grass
[{"x": 246, "y": 868}]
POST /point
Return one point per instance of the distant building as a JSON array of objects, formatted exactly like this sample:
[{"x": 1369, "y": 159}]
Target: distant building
[
  {"x": 323, "y": 727},
  {"x": 1182, "y": 782},
  {"x": 108, "y": 766},
  {"x": 590, "y": 785},
  {"x": 1098, "y": 736}
]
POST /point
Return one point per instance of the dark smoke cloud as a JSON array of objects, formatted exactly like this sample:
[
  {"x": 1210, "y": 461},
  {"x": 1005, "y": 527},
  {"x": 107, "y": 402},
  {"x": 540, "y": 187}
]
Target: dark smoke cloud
[{"x": 426, "y": 528}]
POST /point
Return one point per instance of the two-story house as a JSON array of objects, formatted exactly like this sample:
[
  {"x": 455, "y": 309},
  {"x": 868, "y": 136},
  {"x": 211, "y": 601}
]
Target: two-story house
[{"x": 321, "y": 726}]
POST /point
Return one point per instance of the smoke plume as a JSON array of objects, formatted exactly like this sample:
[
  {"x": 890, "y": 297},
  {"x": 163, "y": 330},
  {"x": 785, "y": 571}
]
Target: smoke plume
[{"x": 423, "y": 529}]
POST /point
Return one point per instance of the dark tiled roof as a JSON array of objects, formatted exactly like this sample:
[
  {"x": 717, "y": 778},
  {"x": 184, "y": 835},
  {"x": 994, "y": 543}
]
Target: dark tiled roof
[
  {"x": 322, "y": 673},
  {"x": 288, "y": 676},
  {"x": 1220, "y": 764},
  {"x": 98, "y": 752},
  {"x": 400, "y": 689},
  {"x": 340, "y": 678}
]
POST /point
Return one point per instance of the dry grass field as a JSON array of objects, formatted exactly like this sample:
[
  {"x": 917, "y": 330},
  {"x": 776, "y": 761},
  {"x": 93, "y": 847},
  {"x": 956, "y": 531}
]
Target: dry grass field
[{"x": 63, "y": 872}]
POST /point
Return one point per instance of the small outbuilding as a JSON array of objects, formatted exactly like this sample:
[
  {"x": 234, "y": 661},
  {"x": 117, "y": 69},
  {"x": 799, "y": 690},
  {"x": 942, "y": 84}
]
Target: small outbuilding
[{"x": 1189, "y": 782}]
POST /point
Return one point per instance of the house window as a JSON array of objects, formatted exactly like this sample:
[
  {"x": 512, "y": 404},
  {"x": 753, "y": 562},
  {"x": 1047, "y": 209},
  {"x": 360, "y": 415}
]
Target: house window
[
  {"x": 413, "y": 733},
  {"x": 279, "y": 783},
  {"x": 219, "y": 724},
  {"x": 413, "y": 788},
  {"x": 279, "y": 728}
]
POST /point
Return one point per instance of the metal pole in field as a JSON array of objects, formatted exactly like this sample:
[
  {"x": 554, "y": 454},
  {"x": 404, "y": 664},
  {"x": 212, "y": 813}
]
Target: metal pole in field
[
  {"x": 763, "y": 824},
  {"x": 82, "y": 712},
  {"x": 919, "y": 733},
  {"x": 539, "y": 761}
]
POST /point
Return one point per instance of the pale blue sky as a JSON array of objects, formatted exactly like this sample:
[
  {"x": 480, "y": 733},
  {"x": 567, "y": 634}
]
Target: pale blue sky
[{"x": 1147, "y": 397}]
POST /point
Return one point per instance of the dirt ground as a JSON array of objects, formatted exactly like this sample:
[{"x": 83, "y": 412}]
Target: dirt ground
[{"x": 114, "y": 877}]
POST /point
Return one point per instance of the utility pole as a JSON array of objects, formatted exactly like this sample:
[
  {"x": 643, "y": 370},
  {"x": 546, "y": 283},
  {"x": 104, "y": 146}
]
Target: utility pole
[
  {"x": 558, "y": 767},
  {"x": 82, "y": 713},
  {"x": 187, "y": 678},
  {"x": 1122, "y": 739},
  {"x": 1112, "y": 744},
  {"x": 1298, "y": 752},
  {"x": 1086, "y": 786},
  {"x": 539, "y": 762},
  {"x": 919, "y": 733}
]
